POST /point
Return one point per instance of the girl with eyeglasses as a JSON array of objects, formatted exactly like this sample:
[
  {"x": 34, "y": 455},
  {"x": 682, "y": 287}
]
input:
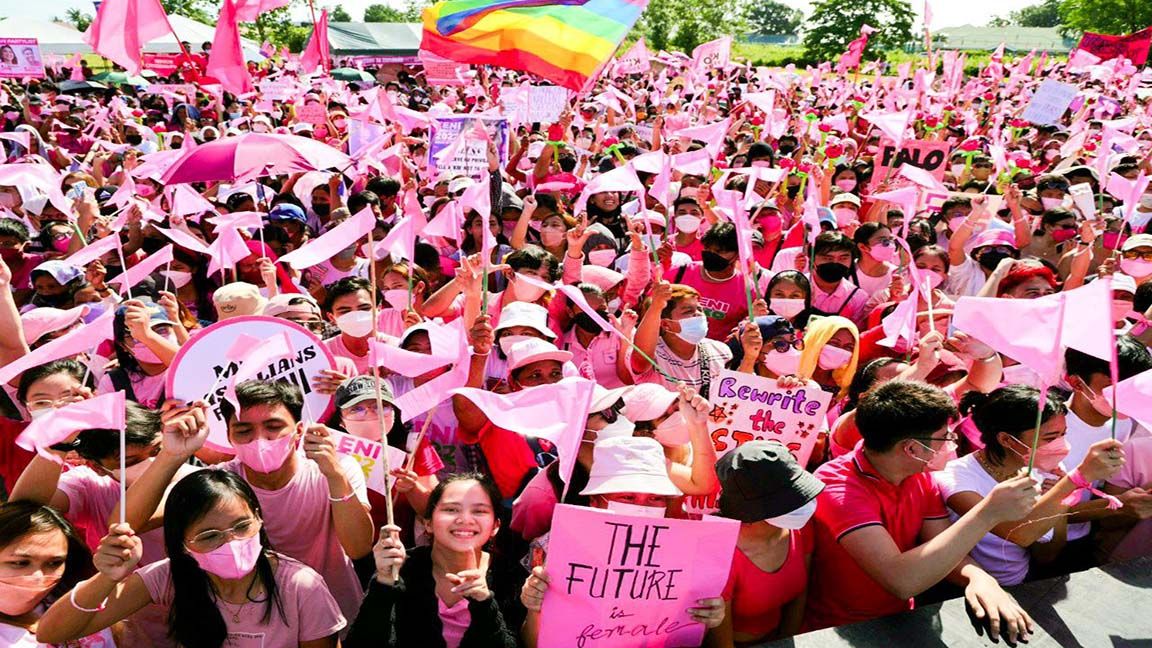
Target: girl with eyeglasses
[{"x": 222, "y": 582}]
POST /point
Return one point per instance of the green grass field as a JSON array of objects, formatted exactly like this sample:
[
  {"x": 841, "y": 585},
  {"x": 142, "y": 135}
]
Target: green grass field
[{"x": 781, "y": 55}]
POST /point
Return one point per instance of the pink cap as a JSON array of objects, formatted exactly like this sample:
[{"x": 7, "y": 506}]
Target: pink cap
[
  {"x": 994, "y": 236},
  {"x": 39, "y": 322},
  {"x": 648, "y": 402}
]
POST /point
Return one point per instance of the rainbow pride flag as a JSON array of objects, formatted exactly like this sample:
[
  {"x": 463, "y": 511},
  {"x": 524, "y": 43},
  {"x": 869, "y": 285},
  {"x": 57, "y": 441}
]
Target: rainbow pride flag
[{"x": 564, "y": 41}]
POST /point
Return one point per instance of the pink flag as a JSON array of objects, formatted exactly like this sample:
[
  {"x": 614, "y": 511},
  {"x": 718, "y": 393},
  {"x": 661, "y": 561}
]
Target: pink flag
[
  {"x": 449, "y": 222},
  {"x": 713, "y": 55},
  {"x": 186, "y": 201},
  {"x": 250, "y": 10},
  {"x": 75, "y": 65},
  {"x": 227, "y": 250},
  {"x": 851, "y": 57},
  {"x": 637, "y": 60},
  {"x": 326, "y": 246},
  {"x": 133, "y": 275},
  {"x": 93, "y": 251},
  {"x": 184, "y": 240},
  {"x": 122, "y": 27},
  {"x": 556, "y": 412},
  {"x": 894, "y": 125},
  {"x": 40, "y": 176},
  {"x": 445, "y": 340},
  {"x": 315, "y": 55},
  {"x": 104, "y": 412},
  {"x": 996, "y": 322},
  {"x": 1132, "y": 398},
  {"x": 1127, "y": 191},
  {"x": 661, "y": 189},
  {"x": 1088, "y": 325},
  {"x": 697, "y": 162},
  {"x": 621, "y": 178},
  {"x": 82, "y": 340},
  {"x": 235, "y": 220},
  {"x": 711, "y": 134},
  {"x": 400, "y": 241},
  {"x": 226, "y": 61},
  {"x": 921, "y": 177}
]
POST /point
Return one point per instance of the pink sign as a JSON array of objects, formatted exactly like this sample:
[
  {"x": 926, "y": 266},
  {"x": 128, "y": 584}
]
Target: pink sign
[
  {"x": 620, "y": 581},
  {"x": 19, "y": 58},
  {"x": 367, "y": 453},
  {"x": 441, "y": 71},
  {"x": 165, "y": 64},
  {"x": 929, "y": 155},
  {"x": 312, "y": 113}
]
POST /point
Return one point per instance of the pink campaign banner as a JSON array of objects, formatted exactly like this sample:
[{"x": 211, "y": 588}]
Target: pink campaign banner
[
  {"x": 441, "y": 71},
  {"x": 20, "y": 58},
  {"x": 622, "y": 581}
]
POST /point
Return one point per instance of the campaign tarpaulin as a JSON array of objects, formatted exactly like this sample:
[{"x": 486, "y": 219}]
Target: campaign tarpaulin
[
  {"x": 164, "y": 64},
  {"x": 20, "y": 58},
  {"x": 201, "y": 371},
  {"x": 1133, "y": 47},
  {"x": 441, "y": 71},
  {"x": 620, "y": 581},
  {"x": 929, "y": 155},
  {"x": 1047, "y": 106},
  {"x": 471, "y": 158},
  {"x": 534, "y": 104}
]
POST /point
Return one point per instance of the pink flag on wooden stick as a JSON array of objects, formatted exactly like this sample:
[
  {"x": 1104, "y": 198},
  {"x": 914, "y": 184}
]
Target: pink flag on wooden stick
[
  {"x": 315, "y": 55},
  {"x": 105, "y": 412},
  {"x": 226, "y": 60},
  {"x": 338, "y": 238}
]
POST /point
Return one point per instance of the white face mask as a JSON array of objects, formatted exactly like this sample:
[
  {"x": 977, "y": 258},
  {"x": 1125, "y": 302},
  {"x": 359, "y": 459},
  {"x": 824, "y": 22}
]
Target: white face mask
[
  {"x": 1056, "y": 203},
  {"x": 40, "y": 413},
  {"x": 1146, "y": 201},
  {"x": 525, "y": 291},
  {"x": 357, "y": 324},
  {"x": 176, "y": 278},
  {"x": 614, "y": 305},
  {"x": 782, "y": 364},
  {"x": 787, "y": 308},
  {"x": 396, "y": 298},
  {"x": 688, "y": 224},
  {"x": 672, "y": 431},
  {"x": 832, "y": 358},
  {"x": 551, "y": 237},
  {"x": 693, "y": 329},
  {"x": 636, "y": 510},
  {"x": 796, "y": 519},
  {"x": 621, "y": 427}
]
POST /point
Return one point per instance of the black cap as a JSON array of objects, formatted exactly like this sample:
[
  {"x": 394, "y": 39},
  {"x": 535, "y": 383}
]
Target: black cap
[
  {"x": 362, "y": 388},
  {"x": 762, "y": 480}
]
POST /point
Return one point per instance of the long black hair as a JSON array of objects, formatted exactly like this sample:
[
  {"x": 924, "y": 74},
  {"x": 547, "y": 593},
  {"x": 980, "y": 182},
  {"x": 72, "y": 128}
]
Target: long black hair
[
  {"x": 194, "y": 621},
  {"x": 1010, "y": 409}
]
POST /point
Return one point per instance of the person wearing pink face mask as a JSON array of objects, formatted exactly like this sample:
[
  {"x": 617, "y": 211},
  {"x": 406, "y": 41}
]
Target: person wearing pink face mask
[
  {"x": 41, "y": 558},
  {"x": 1056, "y": 236},
  {"x": 146, "y": 343},
  {"x": 222, "y": 583},
  {"x": 1006, "y": 420},
  {"x": 878, "y": 254},
  {"x": 316, "y": 501}
]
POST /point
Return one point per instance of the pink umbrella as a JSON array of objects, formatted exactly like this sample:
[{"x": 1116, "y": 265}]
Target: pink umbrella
[{"x": 253, "y": 155}]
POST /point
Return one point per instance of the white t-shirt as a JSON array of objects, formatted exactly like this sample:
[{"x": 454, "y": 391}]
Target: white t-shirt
[
  {"x": 1080, "y": 437},
  {"x": 965, "y": 279},
  {"x": 872, "y": 285},
  {"x": 1007, "y": 562}
]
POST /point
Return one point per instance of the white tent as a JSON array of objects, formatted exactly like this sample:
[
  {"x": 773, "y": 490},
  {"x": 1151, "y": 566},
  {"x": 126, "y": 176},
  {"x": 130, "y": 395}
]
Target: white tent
[{"x": 53, "y": 38}]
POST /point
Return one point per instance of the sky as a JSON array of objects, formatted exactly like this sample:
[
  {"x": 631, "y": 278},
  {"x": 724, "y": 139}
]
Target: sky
[{"x": 946, "y": 13}]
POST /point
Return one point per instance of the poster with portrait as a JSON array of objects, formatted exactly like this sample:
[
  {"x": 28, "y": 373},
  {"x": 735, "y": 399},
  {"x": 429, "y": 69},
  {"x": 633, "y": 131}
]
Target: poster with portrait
[{"x": 20, "y": 58}]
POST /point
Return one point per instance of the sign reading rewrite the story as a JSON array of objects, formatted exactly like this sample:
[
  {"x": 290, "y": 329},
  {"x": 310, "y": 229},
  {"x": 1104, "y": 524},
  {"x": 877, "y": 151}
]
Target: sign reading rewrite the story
[
  {"x": 619, "y": 581},
  {"x": 201, "y": 371},
  {"x": 746, "y": 407}
]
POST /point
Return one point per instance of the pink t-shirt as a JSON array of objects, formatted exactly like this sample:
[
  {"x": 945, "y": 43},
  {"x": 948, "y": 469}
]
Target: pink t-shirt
[
  {"x": 723, "y": 302},
  {"x": 1136, "y": 473},
  {"x": 455, "y": 621},
  {"x": 298, "y": 520},
  {"x": 596, "y": 361},
  {"x": 533, "y": 508},
  {"x": 310, "y": 610},
  {"x": 362, "y": 363},
  {"x": 16, "y": 637},
  {"x": 847, "y": 300},
  {"x": 149, "y": 390},
  {"x": 92, "y": 499}
]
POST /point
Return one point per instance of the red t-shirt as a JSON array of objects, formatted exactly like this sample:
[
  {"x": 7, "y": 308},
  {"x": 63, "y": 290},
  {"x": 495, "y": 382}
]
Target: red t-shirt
[
  {"x": 758, "y": 596},
  {"x": 508, "y": 456},
  {"x": 13, "y": 460},
  {"x": 856, "y": 496}
]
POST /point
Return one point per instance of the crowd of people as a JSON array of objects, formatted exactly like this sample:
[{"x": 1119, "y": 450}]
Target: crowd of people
[{"x": 755, "y": 243}]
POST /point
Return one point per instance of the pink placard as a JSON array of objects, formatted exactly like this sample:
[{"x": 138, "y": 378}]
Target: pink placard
[
  {"x": 312, "y": 113},
  {"x": 929, "y": 155},
  {"x": 620, "y": 581},
  {"x": 20, "y": 58}
]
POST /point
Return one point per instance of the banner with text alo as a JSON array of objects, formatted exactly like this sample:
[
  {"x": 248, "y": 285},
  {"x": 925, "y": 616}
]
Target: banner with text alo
[{"x": 620, "y": 581}]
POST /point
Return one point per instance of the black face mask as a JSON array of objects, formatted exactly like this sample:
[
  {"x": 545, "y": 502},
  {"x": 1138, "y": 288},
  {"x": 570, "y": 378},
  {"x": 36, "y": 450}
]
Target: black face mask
[
  {"x": 585, "y": 321},
  {"x": 989, "y": 260},
  {"x": 793, "y": 191},
  {"x": 714, "y": 262},
  {"x": 832, "y": 271},
  {"x": 322, "y": 209},
  {"x": 55, "y": 301}
]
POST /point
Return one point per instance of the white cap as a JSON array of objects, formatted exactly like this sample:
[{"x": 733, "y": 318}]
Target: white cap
[
  {"x": 531, "y": 350},
  {"x": 629, "y": 465},
  {"x": 527, "y": 314}
]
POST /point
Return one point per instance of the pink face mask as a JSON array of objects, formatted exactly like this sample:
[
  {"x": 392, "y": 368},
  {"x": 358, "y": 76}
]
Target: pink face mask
[
  {"x": 231, "y": 560},
  {"x": 883, "y": 253},
  {"x": 846, "y": 184},
  {"x": 19, "y": 594},
  {"x": 832, "y": 358},
  {"x": 265, "y": 456}
]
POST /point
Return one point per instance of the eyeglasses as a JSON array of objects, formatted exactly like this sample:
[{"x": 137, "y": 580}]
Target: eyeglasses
[
  {"x": 206, "y": 541},
  {"x": 362, "y": 411},
  {"x": 1134, "y": 254},
  {"x": 54, "y": 404},
  {"x": 782, "y": 346}
]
